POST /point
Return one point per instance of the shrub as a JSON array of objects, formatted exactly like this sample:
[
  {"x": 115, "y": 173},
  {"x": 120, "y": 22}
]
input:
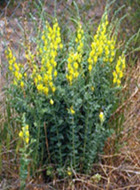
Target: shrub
[{"x": 67, "y": 92}]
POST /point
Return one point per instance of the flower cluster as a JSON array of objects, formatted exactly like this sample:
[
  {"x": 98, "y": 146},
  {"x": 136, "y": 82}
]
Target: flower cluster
[
  {"x": 45, "y": 74},
  {"x": 119, "y": 70},
  {"x": 24, "y": 134},
  {"x": 79, "y": 40},
  {"x": 103, "y": 46},
  {"x": 15, "y": 68},
  {"x": 73, "y": 67}
]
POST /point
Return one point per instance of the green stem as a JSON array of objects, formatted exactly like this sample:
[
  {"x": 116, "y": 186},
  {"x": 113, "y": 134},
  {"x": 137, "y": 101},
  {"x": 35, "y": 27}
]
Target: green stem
[
  {"x": 60, "y": 151},
  {"x": 37, "y": 146},
  {"x": 23, "y": 167},
  {"x": 73, "y": 142},
  {"x": 57, "y": 133},
  {"x": 85, "y": 136}
]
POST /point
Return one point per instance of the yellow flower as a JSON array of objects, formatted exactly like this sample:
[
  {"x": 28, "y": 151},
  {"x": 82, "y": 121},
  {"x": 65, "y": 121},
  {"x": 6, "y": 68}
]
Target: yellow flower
[
  {"x": 19, "y": 76},
  {"x": 46, "y": 91},
  {"x": 95, "y": 58},
  {"x": 90, "y": 67},
  {"x": 72, "y": 110},
  {"x": 90, "y": 61},
  {"x": 40, "y": 50},
  {"x": 76, "y": 40},
  {"x": 21, "y": 134},
  {"x": 45, "y": 78},
  {"x": 16, "y": 74},
  {"x": 121, "y": 74},
  {"x": 71, "y": 70},
  {"x": 112, "y": 53},
  {"x": 118, "y": 74},
  {"x": 55, "y": 64},
  {"x": 27, "y": 133},
  {"x": 69, "y": 59},
  {"x": 70, "y": 77},
  {"x": 107, "y": 52},
  {"x": 75, "y": 65},
  {"x": 111, "y": 59},
  {"x": 101, "y": 116},
  {"x": 24, "y": 134},
  {"x": 43, "y": 37},
  {"x": 92, "y": 88},
  {"x": 61, "y": 46},
  {"x": 39, "y": 77},
  {"x": 53, "y": 88},
  {"x": 35, "y": 81},
  {"x": 25, "y": 75},
  {"x": 79, "y": 36},
  {"x": 40, "y": 87},
  {"x": 55, "y": 73},
  {"x": 100, "y": 50},
  {"x": 118, "y": 82},
  {"x": 112, "y": 47},
  {"x": 51, "y": 102},
  {"x": 27, "y": 140},
  {"x": 16, "y": 66},
  {"x": 22, "y": 84},
  {"x": 117, "y": 68},
  {"x": 114, "y": 74},
  {"x": 10, "y": 68},
  {"x": 51, "y": 84},
  {"x": 76, "y": 74},
  {"x": 69, "y": 173}
]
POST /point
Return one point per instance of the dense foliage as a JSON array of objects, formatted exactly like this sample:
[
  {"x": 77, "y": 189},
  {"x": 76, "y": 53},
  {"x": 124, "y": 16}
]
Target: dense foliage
[{"x": 67, "y": 92}]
